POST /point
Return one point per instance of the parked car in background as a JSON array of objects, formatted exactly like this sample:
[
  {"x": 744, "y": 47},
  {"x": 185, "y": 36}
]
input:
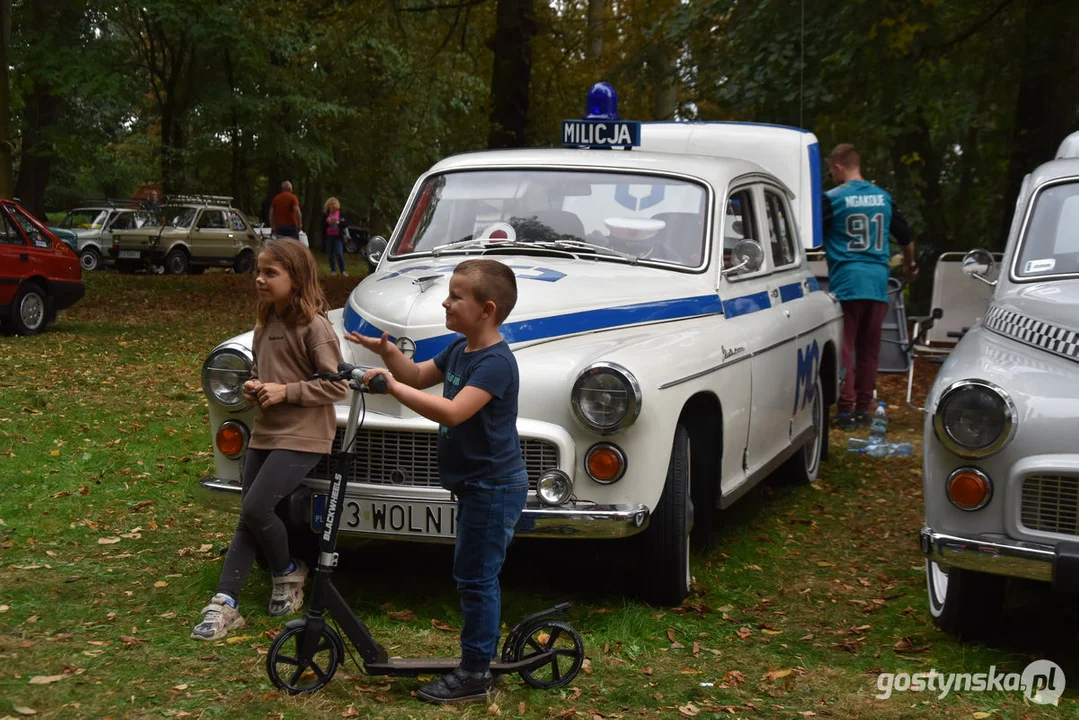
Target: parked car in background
[
  {"x": 263, "y": 231},
  {"x": 39, "y": 274},
  {"x": 674, "y": 347},
  {"x": 93, "y": 226},
  {"x": 189, "y": 234},
  {"x": 1001, "y": 459}
]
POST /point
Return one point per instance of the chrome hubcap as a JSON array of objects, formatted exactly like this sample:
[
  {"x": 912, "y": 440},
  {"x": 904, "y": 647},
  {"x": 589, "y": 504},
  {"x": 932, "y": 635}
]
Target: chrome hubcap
[
  {"x": 32, "y": 310},
  {"x": 939, "y": 581},
  {"x": 812, "y": 458},
  {"x": 89, "y": 261}
]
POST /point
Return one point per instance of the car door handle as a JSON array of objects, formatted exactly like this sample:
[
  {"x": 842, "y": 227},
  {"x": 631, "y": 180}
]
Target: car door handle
[
  {"x": 230, "y": 234},
  {"x": 775, "y": 292}
]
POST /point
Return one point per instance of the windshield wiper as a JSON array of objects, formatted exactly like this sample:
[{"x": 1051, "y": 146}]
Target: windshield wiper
[
  {"x": 482, "y": 243},
  {"x": 583, "y": 245}
]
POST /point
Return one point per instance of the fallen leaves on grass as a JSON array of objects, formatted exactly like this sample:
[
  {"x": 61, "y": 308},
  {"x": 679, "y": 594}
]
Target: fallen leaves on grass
[
  {"x": 108, "y": 540},
  {"x": 46, "y": 679},
  {"x": 23, "y": 710},
  {"x": 439, "y": 625},
  {"x": 402, "y": 615}
]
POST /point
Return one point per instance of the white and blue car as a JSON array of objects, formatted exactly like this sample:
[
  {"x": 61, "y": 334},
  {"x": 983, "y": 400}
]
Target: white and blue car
[
  {"x": 1001, "y": 456},
  {"x": 674, "y": 347}
]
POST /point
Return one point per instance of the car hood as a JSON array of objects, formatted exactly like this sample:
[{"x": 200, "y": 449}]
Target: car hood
[
  {"x": 556, "y": 297},
  {"x": 1043, "y": 315}
]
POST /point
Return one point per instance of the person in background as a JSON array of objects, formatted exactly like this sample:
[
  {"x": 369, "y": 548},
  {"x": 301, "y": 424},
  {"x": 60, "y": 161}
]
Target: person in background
[
  {"x": 293, "y": 341},
  {"x": 332, "y": 238},
  {"x": 858, "y": 217},
  {"x": 149, "y": 202},
  {"x": 285, "y": 219}
]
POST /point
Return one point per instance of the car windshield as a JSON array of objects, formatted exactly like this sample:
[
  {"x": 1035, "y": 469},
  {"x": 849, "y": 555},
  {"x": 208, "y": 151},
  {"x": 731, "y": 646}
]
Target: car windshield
[
  {"x": 612, "y": 215},
  {"x": 84, "y": 219},
  {"x": 175, "y": 216},
  {"x": 1050, "y": 245}
]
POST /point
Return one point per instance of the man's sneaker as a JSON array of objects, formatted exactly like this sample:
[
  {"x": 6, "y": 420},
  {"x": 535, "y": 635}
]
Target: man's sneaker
[
  {"x": 861, "y": 418},
  {"x": 845, "y": 421},
  {"x": 219, "y": 618},
  {"x": 287, "y": 595},
  {"x": 457, "y": 686}
]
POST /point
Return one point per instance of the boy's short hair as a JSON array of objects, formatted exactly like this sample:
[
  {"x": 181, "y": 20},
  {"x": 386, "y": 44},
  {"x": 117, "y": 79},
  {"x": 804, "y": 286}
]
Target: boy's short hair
[
  {"x": 494, "y": 282},
  {"x": 846, "y": 155}
]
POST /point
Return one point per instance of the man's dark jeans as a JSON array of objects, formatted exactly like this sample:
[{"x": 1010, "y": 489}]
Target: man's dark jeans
[
  {"x": 862, "y": 321},
  {"x": 287, "y": 231},
  {"x": 487, "y": 512}
]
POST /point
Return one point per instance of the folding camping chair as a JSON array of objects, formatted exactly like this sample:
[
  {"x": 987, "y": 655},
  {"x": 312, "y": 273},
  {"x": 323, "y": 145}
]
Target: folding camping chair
[{"x": 957, "y": 303}]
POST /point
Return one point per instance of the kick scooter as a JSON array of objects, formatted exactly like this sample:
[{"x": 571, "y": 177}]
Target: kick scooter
[{"x": 305, "y": 655}]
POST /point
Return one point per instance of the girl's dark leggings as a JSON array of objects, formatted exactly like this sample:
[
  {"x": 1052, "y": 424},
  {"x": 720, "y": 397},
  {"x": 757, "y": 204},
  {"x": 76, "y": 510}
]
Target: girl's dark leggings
[{"x": 269, "y": 476}]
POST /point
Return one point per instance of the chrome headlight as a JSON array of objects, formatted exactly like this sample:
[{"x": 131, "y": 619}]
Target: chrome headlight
[
  {"x": 974, "y": 418},
  {"x": 554, "y": 487},
  {"x": 224, "y": 374},
  {"x": 606, "y": 398}
]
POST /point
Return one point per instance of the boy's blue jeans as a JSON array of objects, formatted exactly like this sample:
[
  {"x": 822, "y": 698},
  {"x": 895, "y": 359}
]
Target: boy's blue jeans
[{"x": 487, "y": 512}]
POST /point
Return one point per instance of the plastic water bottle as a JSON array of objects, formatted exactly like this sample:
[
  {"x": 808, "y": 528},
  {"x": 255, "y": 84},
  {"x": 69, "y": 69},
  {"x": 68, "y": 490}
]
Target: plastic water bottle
[
  {"x": 878, "y": 425},
  {"x": 857, "y": 444},
  {"x": 890, "y": 449}
]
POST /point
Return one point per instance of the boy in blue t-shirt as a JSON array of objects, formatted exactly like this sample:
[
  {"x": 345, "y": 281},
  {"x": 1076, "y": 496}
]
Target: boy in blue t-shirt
[
  {"x": 858, "y": 217},
  {"x": 479, "y": 453}
]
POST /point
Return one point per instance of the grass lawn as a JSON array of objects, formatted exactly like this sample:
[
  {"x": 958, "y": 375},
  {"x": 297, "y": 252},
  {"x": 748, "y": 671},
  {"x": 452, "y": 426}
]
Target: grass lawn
[{"x": 807, "y": 595}]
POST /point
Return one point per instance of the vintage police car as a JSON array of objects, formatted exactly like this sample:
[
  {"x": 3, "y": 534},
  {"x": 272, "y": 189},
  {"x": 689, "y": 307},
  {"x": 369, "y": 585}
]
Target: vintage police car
[
  {"x": 674, "y": 347},
  {"x": 1001, "y": 461}
]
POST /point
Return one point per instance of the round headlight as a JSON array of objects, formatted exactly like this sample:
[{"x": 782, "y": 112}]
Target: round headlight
[
  {"x": 554, "y": 487},
  {"x": 974, "y": 418},
  {"x": 224, "y": 374},
  {"x": 606, "y": 398}
]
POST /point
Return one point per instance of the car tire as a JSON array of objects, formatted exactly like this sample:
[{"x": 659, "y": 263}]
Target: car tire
[
  {"x": 963, "y": 602},
  {"x": 245, "y": 263},
  {"x": 177, "y": 262},
  {"x": 803, "y": 466},
  {"x": 668, "y": 534},
  {"x": 90, "y": 259},
  {"x": 29, "y": 310}
]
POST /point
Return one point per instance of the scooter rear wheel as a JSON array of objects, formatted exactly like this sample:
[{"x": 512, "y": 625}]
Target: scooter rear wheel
[
  {"x": 296, "y": 675},
  {"x": 546, "y": 636}
]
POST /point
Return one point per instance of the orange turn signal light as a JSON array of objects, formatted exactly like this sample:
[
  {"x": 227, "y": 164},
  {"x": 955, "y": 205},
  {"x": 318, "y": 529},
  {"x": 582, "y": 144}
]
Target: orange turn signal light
[
  {"x": 969, "y": 489},
  {"x": 605, "y": 463},
  {"x": 231, "y": 439}
]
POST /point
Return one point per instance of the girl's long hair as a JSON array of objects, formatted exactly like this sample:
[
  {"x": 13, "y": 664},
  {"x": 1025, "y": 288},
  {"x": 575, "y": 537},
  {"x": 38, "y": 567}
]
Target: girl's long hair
[
  {"x": 307, "y": 299},
  {"x": 331, "y": 205}
]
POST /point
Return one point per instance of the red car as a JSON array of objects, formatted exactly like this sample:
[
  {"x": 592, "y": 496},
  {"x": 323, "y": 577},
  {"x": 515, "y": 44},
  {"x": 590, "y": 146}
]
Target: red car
[{"x": 39, "y": 274}]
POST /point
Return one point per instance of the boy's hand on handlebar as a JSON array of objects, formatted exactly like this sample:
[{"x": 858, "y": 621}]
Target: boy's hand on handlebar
[
  {"x": 375, "y": 372},
  {"x": 380, "y": 347},
  {"x": 271, "y": 394}
]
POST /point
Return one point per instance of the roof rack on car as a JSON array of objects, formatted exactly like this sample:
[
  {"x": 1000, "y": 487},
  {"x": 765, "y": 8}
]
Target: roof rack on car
[
  {"x": 110, "y": 202},
  {"x": 198, "y": 198}
]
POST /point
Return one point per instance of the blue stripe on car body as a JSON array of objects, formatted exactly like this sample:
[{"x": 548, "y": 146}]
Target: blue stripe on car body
[
  {"x": 790, "y": 292},
  {"x": 746, "y": 304}
]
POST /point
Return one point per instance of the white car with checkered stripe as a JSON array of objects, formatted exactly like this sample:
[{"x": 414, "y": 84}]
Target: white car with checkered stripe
[
  {"x": 1001, "y": 461},
  {"x": 673, "y": 345}
]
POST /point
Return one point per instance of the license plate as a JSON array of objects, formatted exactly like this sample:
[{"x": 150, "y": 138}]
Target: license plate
[
  {"x": 390, "y": 517},
  {"x": 129, "y": 255}
]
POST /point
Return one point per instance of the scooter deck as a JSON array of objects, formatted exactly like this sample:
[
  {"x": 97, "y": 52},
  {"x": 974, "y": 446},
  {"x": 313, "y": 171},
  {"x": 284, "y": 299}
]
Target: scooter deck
[{"x": 425, "y": 666}]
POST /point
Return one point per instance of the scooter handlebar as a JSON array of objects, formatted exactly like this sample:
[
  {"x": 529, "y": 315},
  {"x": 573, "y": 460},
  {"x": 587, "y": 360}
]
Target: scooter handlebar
[{"x": 354, "y": 373}]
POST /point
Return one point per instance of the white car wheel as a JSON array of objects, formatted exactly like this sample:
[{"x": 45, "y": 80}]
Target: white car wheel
[
  {"x": 90, "y": 259},
  {"x": 964, "y": 602},
  {"x": 667, "y": 536}
]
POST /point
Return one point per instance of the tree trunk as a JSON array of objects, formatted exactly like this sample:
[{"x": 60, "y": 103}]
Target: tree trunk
[
  {"x": 512, "y": 45},
  {"x": 36, "y": 155},
  {"x": 595, "y": 30},
  {"x": 7, "y": 184},
  {"x": 666, "y": 93},
  {"x": 1047, "y": 105}
]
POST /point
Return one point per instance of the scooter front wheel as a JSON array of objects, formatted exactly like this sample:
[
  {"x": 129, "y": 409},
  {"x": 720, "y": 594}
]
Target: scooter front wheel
[
  {"x": 295, "y": 671},
  {"x": 555, "y": 637}
]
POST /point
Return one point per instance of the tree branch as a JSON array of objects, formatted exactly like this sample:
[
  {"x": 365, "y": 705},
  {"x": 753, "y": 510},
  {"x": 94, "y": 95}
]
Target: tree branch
[
  {"x": 449, "y": 6},
  {"x": 973, "y": 29}
]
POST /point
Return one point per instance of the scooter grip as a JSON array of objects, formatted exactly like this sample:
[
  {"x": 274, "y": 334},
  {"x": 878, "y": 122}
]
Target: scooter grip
[{"x": 378, "y": 384}]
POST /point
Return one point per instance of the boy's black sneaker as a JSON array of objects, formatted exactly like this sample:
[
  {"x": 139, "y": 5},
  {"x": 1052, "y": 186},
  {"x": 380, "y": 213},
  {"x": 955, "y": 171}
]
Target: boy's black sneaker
[
  {"x": 861, "y": 418},
  {"x": 457, "y": 686},
  {"x": 845, "y": 421}
]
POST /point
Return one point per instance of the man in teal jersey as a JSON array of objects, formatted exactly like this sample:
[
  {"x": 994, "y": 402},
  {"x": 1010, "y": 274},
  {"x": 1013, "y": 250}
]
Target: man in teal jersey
[{"x": 858, "y": 217}]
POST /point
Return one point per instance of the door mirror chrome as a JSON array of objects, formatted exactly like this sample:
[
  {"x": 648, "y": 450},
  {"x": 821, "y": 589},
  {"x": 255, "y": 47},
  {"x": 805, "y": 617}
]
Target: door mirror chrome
[
  {"x": 978, "y": 264},
  {"x": 747, "y": 256},
  {"x": 376, "y": 246}
]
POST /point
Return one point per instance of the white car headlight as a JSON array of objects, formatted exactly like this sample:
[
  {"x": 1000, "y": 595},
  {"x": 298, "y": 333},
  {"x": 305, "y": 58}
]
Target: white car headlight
[
  {"x": 224, "y": 374},
  {"x": 974, "y": 418},
  {"x": 606, "y": 398}
]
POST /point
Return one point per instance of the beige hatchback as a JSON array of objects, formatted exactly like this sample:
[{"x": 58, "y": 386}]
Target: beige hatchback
[{"x": 189, "y": 234}]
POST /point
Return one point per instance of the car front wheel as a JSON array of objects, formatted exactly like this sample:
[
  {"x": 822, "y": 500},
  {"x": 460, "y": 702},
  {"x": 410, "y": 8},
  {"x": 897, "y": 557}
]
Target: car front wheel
[
  {"x": 802, "y": 467},
  {"x": 176, "y": 262},
  {"x": 29, "y": 311},
  {"x": 669, "y": 577},
  {"x": 245, "y": 263},
  {"x": 90, "y": 259},
  {"x": 964, "y": 602}
]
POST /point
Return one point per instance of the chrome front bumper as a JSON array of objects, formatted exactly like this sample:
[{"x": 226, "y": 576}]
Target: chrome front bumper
[
  {"x": 1000, "y": 555},
  {"x": 584, "y": 521}
]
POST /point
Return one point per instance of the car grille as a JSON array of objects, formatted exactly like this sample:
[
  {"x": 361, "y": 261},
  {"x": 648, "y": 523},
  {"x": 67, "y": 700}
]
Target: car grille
[
  {"x": 1051, "y": 504},
  {"x": 410, "y": 459}
]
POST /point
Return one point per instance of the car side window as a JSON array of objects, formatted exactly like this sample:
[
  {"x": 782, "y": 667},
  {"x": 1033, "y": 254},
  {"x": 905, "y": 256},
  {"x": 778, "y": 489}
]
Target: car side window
[
  {"x": 739, "y": 223},
  {"x": 8, "y": 234},
  {"x": 780, "y": 230},
  {"x": 123, "y": 221},
  {"x": 237, "y": 222},
  {"x": 37, "y": 239},
  {"x": 212, "y": 220}
]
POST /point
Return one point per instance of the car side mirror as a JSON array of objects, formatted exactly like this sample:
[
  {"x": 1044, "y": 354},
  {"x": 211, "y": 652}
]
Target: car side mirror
[
  {"x": 376, "y": 246},
  {"x": 978, "y": 264},
  {"x": 747, "y": 256}
]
